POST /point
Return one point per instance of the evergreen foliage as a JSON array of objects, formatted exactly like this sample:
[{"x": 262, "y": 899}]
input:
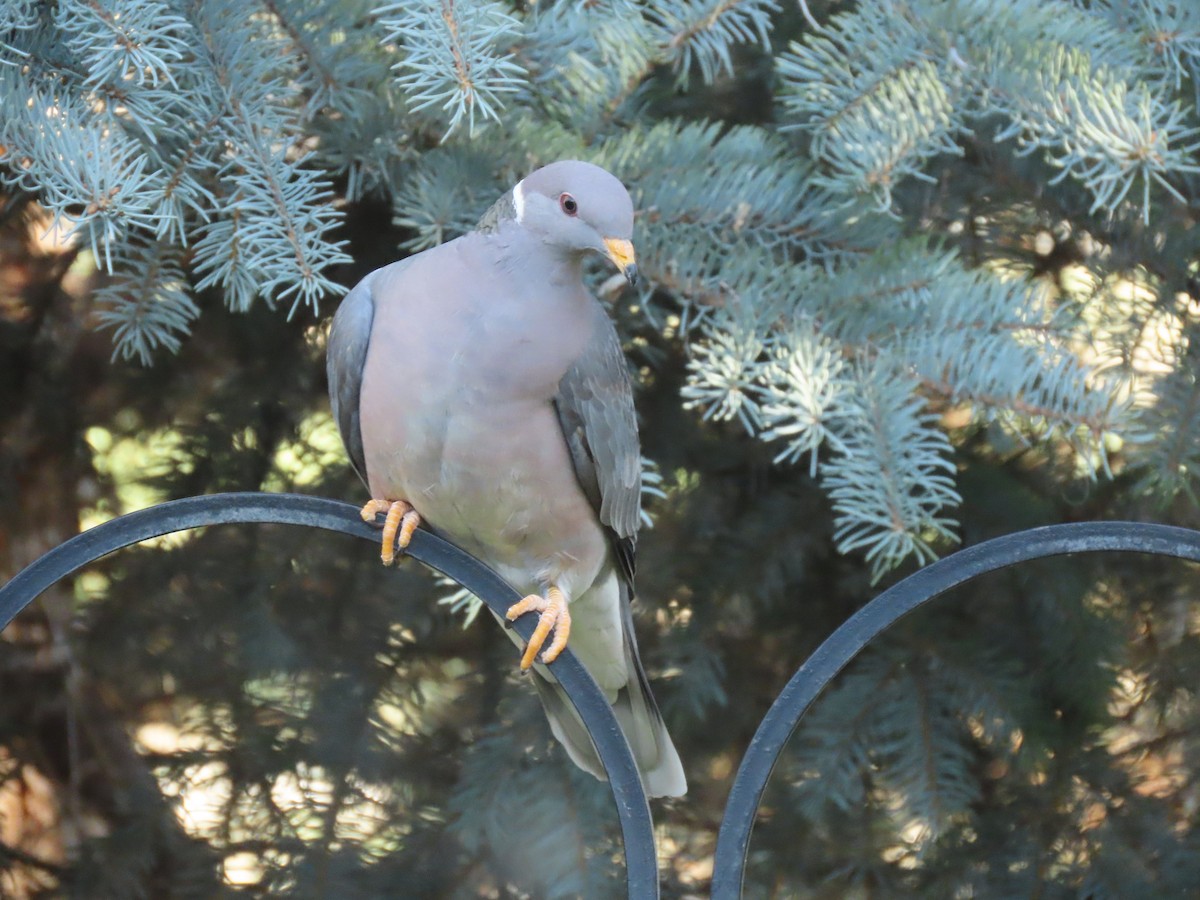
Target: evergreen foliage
[{"x": 916, "y": 272}]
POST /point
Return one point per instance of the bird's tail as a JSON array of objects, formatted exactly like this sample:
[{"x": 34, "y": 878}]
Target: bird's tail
[{"x": 635, "y": 709}]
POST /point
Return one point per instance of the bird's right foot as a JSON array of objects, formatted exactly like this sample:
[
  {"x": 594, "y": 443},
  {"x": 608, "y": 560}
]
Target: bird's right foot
[
  {"x": 555, "y": 617},
  {"x": 398, "y": 526}
]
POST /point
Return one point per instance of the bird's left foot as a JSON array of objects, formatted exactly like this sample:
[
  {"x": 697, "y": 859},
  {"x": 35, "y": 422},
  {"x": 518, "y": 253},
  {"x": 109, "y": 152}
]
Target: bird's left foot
[
  {"x": 554, "y": 617},
  {"x": 398, "y": 526}
]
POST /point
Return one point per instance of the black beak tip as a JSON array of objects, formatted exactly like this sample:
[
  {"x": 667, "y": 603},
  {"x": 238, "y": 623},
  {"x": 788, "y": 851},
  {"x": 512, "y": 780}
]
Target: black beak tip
[{"x": 631, "y": 274}]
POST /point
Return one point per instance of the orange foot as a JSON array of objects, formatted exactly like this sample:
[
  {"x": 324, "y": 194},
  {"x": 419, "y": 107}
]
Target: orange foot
[
  {"x": 554, "y": 617},
  {"x": 400, "y": 517}
]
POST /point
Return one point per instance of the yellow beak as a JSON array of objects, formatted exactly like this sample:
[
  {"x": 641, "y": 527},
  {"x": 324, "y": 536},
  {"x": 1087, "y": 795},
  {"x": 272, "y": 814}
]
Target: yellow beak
[{"x": 621, "y": 252}]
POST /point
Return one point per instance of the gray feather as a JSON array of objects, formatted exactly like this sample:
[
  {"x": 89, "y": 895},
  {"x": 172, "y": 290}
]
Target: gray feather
[
  {"x": 346, "y": 355},
  {"x": 637, "y": 713},
  {"x": 503, "y": 210},
  {"x": 595, "y": 408}
]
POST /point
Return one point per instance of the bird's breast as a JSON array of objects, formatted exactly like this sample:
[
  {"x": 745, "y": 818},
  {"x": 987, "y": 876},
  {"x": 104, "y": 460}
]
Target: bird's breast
[
  {"x": 498, "y": 481},
  {"x": 512, "y": 334}
]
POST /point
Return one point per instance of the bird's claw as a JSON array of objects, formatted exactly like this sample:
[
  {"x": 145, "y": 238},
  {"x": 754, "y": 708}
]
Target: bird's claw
[
  {"x": 398, "y": 526},
  {"x": 554, "y": 617}
]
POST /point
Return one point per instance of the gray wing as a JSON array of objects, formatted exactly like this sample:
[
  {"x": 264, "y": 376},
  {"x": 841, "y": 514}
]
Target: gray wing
[
  {"x": 345, "y": 357},
  {"x": 595, "y": 408}
]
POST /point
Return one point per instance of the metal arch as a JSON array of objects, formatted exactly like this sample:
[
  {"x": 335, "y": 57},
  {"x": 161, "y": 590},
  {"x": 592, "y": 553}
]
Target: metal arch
[
  {"x": 869, "y": 622},
  {"x": 633, "y": 809},
  {"x": 632, "y": 806}
]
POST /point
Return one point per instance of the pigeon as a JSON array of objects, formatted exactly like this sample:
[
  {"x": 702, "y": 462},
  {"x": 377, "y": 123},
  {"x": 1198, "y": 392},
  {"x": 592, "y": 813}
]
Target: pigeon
[{"x": 480, "y": 389}]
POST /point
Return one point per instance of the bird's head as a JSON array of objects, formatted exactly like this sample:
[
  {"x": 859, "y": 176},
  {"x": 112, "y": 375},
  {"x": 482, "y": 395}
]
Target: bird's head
[{"x": 579, "y": 207}]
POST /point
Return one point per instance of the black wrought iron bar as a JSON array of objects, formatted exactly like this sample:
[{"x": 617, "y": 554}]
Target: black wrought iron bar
[
  {"x": 633, "y": 809},
  {"x": 855, "y": 633}
]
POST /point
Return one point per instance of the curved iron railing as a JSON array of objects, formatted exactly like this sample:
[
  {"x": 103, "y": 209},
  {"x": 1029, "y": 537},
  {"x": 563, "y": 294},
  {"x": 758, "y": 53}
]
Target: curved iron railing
[
  {"x": 632, "y": 806},
  {"x": 633, "y": 809},
  {"x": 836, "y": 652}
]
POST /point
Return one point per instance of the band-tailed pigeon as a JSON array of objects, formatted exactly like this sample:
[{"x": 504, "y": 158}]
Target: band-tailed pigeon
[{"x": 481, "y": 388}]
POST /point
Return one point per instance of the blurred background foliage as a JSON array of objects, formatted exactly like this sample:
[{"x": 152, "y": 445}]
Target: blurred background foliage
[{"x": 918, "y": 273}]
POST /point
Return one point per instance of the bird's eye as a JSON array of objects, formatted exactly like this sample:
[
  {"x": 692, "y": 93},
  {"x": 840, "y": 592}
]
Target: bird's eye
[{"x": 568, "y": 204}]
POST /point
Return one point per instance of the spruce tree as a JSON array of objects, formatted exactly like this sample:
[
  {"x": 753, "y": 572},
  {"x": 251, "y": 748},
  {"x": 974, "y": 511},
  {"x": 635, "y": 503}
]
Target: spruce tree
[{"x": 916, "y": 273}]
